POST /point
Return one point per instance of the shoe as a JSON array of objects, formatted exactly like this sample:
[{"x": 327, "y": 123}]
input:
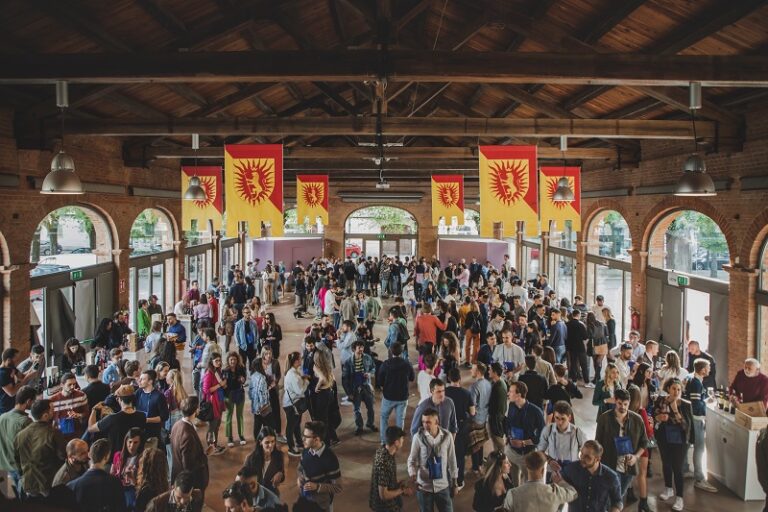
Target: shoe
[
  {"x": 294, "y": 452},
  {"x": 678, "y": 506},
  {"x": 358, "y": 432},
  {"x": 459, "y": 487},
  {"x": 643, "y": 506},
  {"x": 589, "y": 385},
  {"x": 242, "y": 441},
  {"x": 230, "y": 443},
  {"x": 219, "y": 450},
  {"x": 372, "y": 428},
  {"x": 282, "y": 439},
  {"x": 705, "y": 486},
  {"x": 667, "y": 494},
  {"x": 688, "y": 474}
]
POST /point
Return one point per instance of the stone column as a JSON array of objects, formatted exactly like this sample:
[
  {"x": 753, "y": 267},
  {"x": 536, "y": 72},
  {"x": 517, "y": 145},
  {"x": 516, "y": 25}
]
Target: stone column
[
  {"x": 122, "y": 285},
  {"x": 216, "y": 258},
  {"x": 742, "y": 318},
  {"x": 15, "y": 302},
  {"x": 544, "y": 256},
  {"x": 581, "y": 269},
  {"x": 179, "y": 280},
  {"x": 639, "y": 292}
]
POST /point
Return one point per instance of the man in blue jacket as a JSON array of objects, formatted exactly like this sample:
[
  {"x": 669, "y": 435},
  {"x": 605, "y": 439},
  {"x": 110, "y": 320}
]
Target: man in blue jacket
[
  {"x": 358, "y": 371},
  {"x": 152, "y": 403},
  {"x": 247, "y": 336},
  {"x": 524, "y": 424}
]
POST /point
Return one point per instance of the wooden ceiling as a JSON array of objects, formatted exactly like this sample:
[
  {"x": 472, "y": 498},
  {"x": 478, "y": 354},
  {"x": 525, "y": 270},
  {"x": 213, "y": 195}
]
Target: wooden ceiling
[{"x": 328, "y": 62}]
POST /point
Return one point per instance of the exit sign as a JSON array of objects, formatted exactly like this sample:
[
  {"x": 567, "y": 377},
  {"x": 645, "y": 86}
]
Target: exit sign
[
  {"x": 683, "y": 281},
  {"x": 76, "y": 275},
  {"x": 675, "y": 279},
  {"x": 382, "y": 236}
]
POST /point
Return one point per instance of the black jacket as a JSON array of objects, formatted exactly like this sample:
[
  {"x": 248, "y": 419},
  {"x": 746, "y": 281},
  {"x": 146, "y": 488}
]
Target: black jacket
[
  {"x": 577, "y": 334},
  {"x": 98, "y": 491},
  {"x": 537, "y": 387},
  {"x": 393, "y": 377}
]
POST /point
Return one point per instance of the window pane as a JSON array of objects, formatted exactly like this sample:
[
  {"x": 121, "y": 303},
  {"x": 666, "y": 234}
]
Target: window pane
[
  {"x": 697, "y": 317},
  {"x": 690, "y": 242},
  {"x": 609, "y": 236},
  {"x": 452, "y": 227},
  {"x": 151, "y": 232},
  {"x": 564, "y": 237},
  {"x": 532, "y": 261},
  {"x": 610, "y": 285}
]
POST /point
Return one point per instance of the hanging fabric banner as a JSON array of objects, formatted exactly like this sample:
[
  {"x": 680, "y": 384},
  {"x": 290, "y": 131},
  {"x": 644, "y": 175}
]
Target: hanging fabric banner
[
  {"x": 312, "y": 198},
  {"x": 254, "y": 185},
  {"x": 209, "y": 209},
  {"x": 508, "y": 191},
  {"x": 559, "y": 211},
  {"x": 447, "y": 198}
]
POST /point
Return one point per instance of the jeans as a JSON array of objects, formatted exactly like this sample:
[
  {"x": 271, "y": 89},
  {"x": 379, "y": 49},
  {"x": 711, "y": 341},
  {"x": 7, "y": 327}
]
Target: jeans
[
  {"x": 234, "y": 408},
  {"x": 672, "y": 465},
  {"x": 387, "y": 406},
  {"x": 625, "y": 481},
  {"x": 293, "y": 429},
  {"x": 559, "y": 353},
  {"x": 336, "y": 320},
  {"x": 363, "y": 394},
  {"x": 429, "y": 501},
  {"x": 16, "y": 481},
  {"x": 699, "y": 431}
]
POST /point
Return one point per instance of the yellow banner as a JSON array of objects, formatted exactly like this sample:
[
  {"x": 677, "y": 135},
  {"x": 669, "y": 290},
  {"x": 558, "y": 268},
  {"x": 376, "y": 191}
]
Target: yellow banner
[
  {"x": 312, "y": 198},
  {"x": 447, "y": 198},
  {"x": 557, "y": 212},
  {"x": 254, "y": 185},
  {"x": 508, "y": 189},
  {"x": 208, "y": 210}
]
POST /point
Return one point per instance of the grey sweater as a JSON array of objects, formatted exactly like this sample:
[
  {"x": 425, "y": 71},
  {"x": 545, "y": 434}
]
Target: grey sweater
[{"x": 422, "y": 446}]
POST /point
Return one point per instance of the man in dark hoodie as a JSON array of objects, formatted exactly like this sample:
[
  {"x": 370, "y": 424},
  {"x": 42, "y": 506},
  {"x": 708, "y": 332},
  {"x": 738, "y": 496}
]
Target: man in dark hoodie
[{"x": 393, "y": 377}]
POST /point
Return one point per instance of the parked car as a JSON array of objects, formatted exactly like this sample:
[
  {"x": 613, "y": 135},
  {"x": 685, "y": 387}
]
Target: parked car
[
  {"x": 48, "y": 268},
  {"x": 703, "y": 262},
  {"x": 45, "y": 248},
  {"x": 81, "y": 250},
  {"x": 352, "y": 250}
]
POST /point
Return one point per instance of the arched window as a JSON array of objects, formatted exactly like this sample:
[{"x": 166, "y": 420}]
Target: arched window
[
  {"x": 469, "y": 228},
  {"x": 151, "y": 232},
  {"x": 562, "y": 235},
  {"x": 380, "y": 230},
  {"x": 762, "y": 306},
  {"x": 69, "y": 238},
  {"x": 608, "y": 236},
  {"x": 293, "y": 225},
  {"x": 690, "y": 242}
]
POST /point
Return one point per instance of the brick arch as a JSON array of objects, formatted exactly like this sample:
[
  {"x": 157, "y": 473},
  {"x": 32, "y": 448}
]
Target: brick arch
[
  {"x": 674, "y": 204},
  {"x": 172, "y": 219},
  {"x": 755, "y": 239},
  {"x": 600, "y": 206},
  {"x": 357, "y": 208}
]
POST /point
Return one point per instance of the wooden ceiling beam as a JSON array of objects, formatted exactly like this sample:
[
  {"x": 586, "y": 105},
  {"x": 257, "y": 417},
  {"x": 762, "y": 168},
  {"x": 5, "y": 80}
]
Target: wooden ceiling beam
[
  {"x": 410, "y": 15},
  {"x": 635, "y": 109},
  {"x": 338, "y": 21},
  {"x": 578, "y": 128},
  {"x": 404, "y": 65},
  {"x": 164, "y": 17},
  {"x": 678, "y": 98},
  {"x": 607, "y": 21}
]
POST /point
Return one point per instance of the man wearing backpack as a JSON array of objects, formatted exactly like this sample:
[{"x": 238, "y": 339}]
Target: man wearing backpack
[
  {"x": 432, "y": 464},
  {"x": 397, "y": 332}
]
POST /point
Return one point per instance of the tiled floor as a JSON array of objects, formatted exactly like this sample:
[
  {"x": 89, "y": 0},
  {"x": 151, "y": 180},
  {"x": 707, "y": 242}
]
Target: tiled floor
[{"x": 356, "y": 453}]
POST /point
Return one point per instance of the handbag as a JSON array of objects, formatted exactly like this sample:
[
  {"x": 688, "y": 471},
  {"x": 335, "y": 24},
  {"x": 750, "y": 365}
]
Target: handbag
[
  {"x": 205, "y": 412},
  {"x": 300, "y": 406},
  {"x": 601, "y": 350}
]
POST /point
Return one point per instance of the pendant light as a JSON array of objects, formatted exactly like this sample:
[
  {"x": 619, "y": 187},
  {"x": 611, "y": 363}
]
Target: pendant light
[
  {"x": 695, "y": 181},
  {"x": 194, "y": 191},
  {"x": 62, "y": 179},
  {"x": 564, "y": 191}
]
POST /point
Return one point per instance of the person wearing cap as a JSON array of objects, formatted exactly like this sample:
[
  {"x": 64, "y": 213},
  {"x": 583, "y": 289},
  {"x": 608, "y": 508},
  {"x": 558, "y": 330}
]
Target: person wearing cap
[
  {"x": 597, "y": 307},
  {"x": 116, "y": 425},
  {"x": 624, "y": 363}
]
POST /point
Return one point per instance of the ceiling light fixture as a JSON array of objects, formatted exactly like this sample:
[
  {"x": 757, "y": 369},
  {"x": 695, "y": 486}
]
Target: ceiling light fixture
[
  {"x": 194, "y": 191},
  {"x": 564, "y": 192},
  {"x": 695, "y": 182},
  {"x": 62, "y": 179}
]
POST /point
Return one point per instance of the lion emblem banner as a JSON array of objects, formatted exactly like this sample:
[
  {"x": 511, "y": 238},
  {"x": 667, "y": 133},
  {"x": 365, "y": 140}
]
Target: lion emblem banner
[
  {"x": 312, "y": 198},
  {"x": 447, "y": 198},
  {"x": 209, "y": 209},
  {"x": 508, "y": 191},
  {"x": 560, "y": 211},
  {"x": 254, "y": 182}
]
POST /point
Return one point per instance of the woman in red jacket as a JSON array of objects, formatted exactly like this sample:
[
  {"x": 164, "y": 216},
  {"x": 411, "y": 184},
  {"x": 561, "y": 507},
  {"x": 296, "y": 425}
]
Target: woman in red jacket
[
  {"x": 214, "y": 384},
  {"x": 425, "y": 329}
]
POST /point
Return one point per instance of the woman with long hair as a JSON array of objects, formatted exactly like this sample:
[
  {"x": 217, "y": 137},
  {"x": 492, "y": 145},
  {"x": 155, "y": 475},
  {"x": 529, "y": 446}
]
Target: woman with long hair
[
  {"x": 674, "y": 431},
  {"x": 269, "y": 366},
  {"x": 201, "y": 313},
  {"x": 294, "y": 402},
  {"x": 73, "y": 358},
  {"x": 450, "y": 355},
  {"x": 271, "y": 334},
  {"x": 549, "y": 356},
  {"x": 250, "y": 288},
  {"x": 161, "y": 369},
  {"x": 321, "y": 400},
  {"x": 152, "y": 477},
  {"x": 213, "y": 391},
  {"x": 168, "y": 354},
  {"x": 430, "y": 295},
  {"x": 228, "y": 319},
  {"x": 174, "y": 395},
  {"x": 605, "y": 390},
  {"x": 268, "y": 460},
  {"x": 472, "y": 327},
  {"x": 409, "y": 295},
  {"x": 532, "y": 336},
  {"x": 269, "y": 283},
  {"x": 596, "y": 332},
  {"x": 643, "y": 379},
  {"x": 234, "y": 395},
  {"x": 103, "y": 334},
  {"x": 491, "y": 490},
  {"x": 610, "y": 325},
  {"x": 671, "y": 369},
  {"x": 641, "y": 480},
  {"x": 125, "y": 463}
]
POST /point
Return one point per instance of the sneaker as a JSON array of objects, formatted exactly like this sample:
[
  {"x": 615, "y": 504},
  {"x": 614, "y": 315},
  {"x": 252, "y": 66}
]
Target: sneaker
[
  {"x": 345, "y": 401},
  {"x": 282, "y": 439},
  {"x": 242, "y": 441},
  {"x": 358, "y": 432},
  {"x": 678, "y": 506},
  {"x": 589, "y": 385},
  {"x": 294, "y": 452},
  {"x": 372, "y": 428},
  {"x": 667, "y": 494},
  {"x": 230, "y": 443},
  {"x": 705, "y": 486},
  {"x": 219, "y": 450}
]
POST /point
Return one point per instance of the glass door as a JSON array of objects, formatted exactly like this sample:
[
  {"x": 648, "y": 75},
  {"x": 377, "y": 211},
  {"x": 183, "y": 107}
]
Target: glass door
[{"x": 372, "y": 248}]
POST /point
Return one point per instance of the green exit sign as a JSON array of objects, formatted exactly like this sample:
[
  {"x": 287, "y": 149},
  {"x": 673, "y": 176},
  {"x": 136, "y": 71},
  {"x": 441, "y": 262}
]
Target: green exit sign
[
  {"x": 682, "y": 281},
  {"x": 382, "y": 236},
  {"x": 76, "y": 275}
]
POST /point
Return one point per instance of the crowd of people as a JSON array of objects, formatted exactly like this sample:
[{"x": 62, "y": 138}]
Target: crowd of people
[{"x": 496, "y": 360}]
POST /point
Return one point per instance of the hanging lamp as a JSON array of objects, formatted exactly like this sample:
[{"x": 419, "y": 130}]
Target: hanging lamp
[
  {"x": 564, "y": 192},
  {"x": 62, "y": 179},
  {"x": 695, "y": 182},
  {"x": 194, "y": 191}
]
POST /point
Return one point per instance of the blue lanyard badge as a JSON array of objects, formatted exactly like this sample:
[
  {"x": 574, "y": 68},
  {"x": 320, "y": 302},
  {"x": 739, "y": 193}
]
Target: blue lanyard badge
[
  {"x": 623, "y": 445},
  {"x": 67, "y": 425},
  {"x": 673, "y": 433}
]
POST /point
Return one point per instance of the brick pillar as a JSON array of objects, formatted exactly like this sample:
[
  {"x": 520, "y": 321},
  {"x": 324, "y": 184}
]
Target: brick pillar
[
  {"x": 426, "y": 241},
  {"x": 519, "y": 250},
  {"x": 333, "y": 244},
  {"x": 742, "y": 318},
  {"x": 581, "y": 269},
  {"x": 638, "y": 293},
  {"x": 544, "y": 255},
  {"x": 179, "y": 269},
  {"x": 15, "y": 303},
  {"x": 122, "y": 265}
]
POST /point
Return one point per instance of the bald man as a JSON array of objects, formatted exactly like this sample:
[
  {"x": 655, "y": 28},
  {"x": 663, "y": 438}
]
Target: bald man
[
  {"x": 76, "y": 463},
  {"x": 750, "y": 385}
]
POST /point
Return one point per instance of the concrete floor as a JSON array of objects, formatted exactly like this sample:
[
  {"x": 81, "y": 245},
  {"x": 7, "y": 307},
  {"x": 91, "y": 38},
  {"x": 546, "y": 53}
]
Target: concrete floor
[{"x": 356, "y": 453}]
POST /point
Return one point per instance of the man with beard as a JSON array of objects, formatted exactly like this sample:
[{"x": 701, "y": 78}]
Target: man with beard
[{"x": 596, "y": 484}]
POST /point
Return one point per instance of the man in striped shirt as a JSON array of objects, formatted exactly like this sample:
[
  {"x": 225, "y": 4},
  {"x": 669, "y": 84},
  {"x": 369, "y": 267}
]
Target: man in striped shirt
[{"x": 70, "y": 408}]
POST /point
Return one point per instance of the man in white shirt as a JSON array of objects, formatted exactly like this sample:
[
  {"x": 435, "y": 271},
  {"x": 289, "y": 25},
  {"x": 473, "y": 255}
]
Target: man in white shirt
[
  {"x": 623, "y": 363},
  {"x": 520, "y": 290},
  {"x": 597, "y": 307},
  {"x": 510, "y": 355},
  {"x": 535, "y": 494}
]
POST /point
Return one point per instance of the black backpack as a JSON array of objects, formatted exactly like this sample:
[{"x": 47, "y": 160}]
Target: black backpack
[{"x": 402, "y": 334}]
